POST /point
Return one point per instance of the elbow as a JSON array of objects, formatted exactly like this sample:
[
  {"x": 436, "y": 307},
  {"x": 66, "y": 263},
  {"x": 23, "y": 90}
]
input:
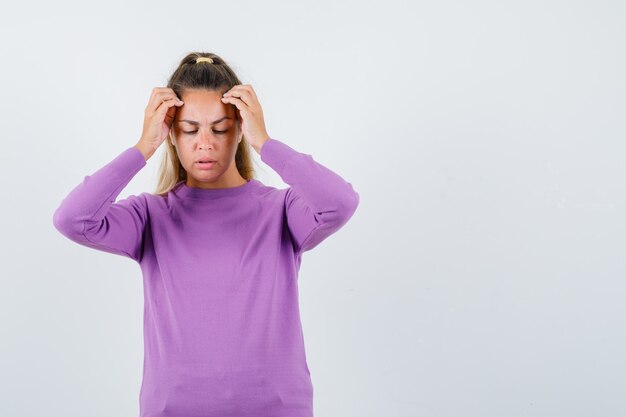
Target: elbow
[
  {"x": 345, "y": 208},
  {"x": 350, "y": 203},
  {"x": 65, "y": 224}
]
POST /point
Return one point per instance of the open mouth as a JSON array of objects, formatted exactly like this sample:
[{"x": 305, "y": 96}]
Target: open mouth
[{"x": 205, "y": 163}]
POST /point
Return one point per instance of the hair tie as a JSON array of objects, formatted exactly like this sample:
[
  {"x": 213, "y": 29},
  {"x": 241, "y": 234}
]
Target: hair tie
[{"x": 204, "y": 59}]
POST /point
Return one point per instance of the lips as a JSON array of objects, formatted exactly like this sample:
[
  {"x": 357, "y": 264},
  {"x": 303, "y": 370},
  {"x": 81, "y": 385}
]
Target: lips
[
  {"x": 205, "y": 165},
  {"x": 205, "y": 160}
]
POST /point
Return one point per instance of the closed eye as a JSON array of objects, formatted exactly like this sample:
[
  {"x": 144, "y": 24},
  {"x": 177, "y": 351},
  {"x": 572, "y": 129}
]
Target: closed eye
[{"x": 219, "y": 132}]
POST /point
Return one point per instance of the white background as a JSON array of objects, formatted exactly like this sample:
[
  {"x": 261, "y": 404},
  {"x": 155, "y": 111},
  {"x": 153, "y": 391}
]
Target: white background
[{"x": 483, "y": 273}]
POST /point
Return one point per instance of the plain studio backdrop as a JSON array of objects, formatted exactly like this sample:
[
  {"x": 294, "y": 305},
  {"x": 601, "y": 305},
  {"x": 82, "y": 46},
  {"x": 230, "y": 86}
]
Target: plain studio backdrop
[{"x": 483, "y": 273}]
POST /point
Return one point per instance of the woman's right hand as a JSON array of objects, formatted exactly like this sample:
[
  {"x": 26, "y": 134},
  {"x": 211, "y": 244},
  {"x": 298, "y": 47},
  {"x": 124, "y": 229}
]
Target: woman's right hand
[{"x": 158, "y": 118}]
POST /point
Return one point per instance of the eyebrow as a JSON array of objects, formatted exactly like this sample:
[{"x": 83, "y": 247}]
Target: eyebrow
[{"x": 193, "y": 122}]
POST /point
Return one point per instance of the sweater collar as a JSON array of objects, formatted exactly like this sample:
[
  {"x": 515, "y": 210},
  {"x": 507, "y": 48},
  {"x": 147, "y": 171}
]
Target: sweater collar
[{"x": 184, "y": 191}]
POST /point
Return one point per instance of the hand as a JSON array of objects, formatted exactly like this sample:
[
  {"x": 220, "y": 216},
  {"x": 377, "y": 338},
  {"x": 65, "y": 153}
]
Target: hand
[
  {"x": 249, "y": 112},
  {"x": 158, "y": 117}
]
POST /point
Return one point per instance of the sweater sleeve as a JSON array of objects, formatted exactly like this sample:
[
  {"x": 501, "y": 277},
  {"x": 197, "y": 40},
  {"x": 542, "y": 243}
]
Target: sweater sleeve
[
  {"x": 318, "y": 201},
  {"x": 89, "y": 215}
]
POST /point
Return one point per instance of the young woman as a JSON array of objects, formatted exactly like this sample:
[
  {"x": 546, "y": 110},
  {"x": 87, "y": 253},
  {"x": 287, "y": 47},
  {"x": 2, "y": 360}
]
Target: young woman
[{"x": 219, "y": 250}]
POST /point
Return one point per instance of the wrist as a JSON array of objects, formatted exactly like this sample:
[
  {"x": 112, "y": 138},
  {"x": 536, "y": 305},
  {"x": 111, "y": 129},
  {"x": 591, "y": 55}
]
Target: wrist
[
  {"x": 146, "y": 151},
  {"x": 259, "y": 146}
]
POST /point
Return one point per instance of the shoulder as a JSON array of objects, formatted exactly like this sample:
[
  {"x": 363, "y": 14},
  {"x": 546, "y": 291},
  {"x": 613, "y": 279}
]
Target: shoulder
[
  {"x": 267, "y": 192},
  {"x": 148, "y": 200}
]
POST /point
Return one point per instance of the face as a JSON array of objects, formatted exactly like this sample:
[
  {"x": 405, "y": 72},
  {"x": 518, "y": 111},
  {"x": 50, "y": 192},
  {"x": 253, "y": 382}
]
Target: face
[{"x": 206, "y": 128}]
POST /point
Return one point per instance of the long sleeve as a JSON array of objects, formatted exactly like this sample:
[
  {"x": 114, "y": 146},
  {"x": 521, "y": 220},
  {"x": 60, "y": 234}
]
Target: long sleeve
[
  {"x": 318, "y": 201},
  {"x": 89, "y": 215}
]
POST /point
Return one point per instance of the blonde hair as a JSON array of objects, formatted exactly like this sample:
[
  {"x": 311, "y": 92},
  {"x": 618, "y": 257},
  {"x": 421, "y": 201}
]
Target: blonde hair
[{"x": 211, "y": 76}]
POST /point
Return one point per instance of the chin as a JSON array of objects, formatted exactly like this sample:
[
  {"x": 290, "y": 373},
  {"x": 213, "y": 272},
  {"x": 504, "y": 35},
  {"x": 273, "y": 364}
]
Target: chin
[{"x": 206, "y": 176}]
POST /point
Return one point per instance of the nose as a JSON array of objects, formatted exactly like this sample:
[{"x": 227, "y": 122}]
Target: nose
[{"x": 205, "y": 139}]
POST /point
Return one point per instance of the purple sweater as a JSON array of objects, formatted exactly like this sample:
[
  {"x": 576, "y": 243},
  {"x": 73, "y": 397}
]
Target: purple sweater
[{"x": 222, "y": 329}]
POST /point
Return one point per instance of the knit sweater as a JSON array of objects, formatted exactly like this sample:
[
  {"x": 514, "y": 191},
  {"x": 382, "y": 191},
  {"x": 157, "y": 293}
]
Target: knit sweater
[{"x": 222, "y": 330}]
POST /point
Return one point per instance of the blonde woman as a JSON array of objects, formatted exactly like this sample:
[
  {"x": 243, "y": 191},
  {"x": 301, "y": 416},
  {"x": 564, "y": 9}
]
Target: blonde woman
[{"x": 219, "y": 250}]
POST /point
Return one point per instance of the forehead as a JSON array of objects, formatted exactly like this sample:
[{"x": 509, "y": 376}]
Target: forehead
[{"x": 203, "y": 107}]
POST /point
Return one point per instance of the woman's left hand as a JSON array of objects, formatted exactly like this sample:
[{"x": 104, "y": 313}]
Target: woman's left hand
[{"x": 250, "y": 113}]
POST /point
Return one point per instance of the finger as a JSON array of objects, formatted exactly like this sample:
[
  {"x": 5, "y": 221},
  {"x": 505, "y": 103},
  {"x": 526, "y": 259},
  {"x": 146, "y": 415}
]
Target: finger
[
  {"x": 157, "y": 97},
  {"x": 252, "y": 92},
  {"x": 166, "y": 97},
  {"x": 238, "y": 103},
  {"x": 245, "y": 92},
  {"x": 166, "y": 104},
  {"x": 157, "y": 90},
  {"x": 154, "y": 100},
  {"x": 242, "y": 95},
  {"x": 247, "y": 88},
  {"x": 170, "y": 116}
]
